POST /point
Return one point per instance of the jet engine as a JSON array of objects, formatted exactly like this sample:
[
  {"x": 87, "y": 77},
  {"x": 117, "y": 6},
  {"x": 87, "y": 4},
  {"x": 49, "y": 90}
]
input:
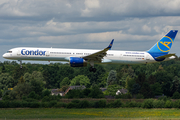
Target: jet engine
[{"x": 77, "y": 62}]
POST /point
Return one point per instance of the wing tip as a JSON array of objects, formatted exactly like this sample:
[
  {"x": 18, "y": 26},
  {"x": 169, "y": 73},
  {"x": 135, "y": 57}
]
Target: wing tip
[{"x": 110, "y": 45}]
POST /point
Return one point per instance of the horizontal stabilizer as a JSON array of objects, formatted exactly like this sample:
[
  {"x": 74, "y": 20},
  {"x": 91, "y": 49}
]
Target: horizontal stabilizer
[{"x": 166, "y": 56}]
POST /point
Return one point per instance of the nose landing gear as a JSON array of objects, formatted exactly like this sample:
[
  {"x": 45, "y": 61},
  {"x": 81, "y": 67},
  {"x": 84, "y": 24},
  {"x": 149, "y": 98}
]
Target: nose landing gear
[{"x": 20, "y": 63}]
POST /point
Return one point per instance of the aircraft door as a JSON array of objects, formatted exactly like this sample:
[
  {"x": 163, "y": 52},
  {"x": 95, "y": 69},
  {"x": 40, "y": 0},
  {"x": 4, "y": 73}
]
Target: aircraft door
[
  {"x": 121, "y": 56},
  {"x": 19, "y": 52},
  {"x": 47, "y": 53},
  {"x": 147, "y": 57}
]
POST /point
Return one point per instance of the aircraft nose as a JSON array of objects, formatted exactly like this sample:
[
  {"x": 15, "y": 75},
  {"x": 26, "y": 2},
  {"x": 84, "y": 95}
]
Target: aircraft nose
[{"x": 5, "y": 55}]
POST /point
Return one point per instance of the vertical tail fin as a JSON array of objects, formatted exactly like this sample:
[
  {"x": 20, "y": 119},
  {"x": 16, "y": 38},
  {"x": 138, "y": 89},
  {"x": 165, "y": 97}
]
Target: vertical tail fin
[{"x": 163, "y": 46}]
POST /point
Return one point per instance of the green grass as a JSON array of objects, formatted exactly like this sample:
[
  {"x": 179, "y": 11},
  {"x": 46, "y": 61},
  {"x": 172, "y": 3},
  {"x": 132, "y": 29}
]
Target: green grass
[{"x": 123, "y": 113}]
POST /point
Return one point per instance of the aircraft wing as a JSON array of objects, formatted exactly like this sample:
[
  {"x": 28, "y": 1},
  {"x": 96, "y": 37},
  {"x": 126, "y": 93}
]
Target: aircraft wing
[
  {"x": 166, "y": 56},
  {"x": 98, "y": 56}
]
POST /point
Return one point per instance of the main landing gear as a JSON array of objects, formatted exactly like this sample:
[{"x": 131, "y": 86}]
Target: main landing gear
[{"x": 92, "y": 69}]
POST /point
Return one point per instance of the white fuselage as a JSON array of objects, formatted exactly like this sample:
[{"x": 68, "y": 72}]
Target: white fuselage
[
  {"x": 80, "y": 57},
  {"x": 57, "y": 54}
]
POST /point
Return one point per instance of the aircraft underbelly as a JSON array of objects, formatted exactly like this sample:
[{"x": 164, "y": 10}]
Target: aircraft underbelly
[{"x": 41, "y": 58}]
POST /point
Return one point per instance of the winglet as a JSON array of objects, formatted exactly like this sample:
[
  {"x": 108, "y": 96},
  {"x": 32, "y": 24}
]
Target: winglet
[{"x": 110, "y": 45}]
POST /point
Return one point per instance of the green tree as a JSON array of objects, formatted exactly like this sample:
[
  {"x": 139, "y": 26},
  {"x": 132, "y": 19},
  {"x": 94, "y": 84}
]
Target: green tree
[
  {"x": 18, "y": 72},
  {"x": 112, "y": 78},
  {"x": 20, "y": 90},
  {"x": 27, "y": 77},
  {"x": 146, "y": 90},
  {"x": 3, "y": 69},
  {"x": 138, "y": 69},
  {"x": 102, "y": 80},
  {"x": 37, "y": 86},
  {"x": 92, "y": 76},
  {"x": 123, "y": 79},
  {"x": 129, "y": 83},
  {"x": 151, "y": 79},
  {"x": 175, "y": 84},
  {"x": 47, "y": 79},
  {"x": 86, "y": 92},
  {"x": 74, "y": 93},
  {"x": 96, "y": 92},
  {"x": 123, "y": 74},
  {"x": 54, "y": 74},
  {"x": 32, "y": 94},
  {"x": 80, "y": 80},
  {"x": 135, "y": 89},
  {"x": 21, "y": 80},
  {"x": 112, "y": 89},
  {"x": 150, "y": 68},
  {"x": 0, "y": 93},
  {"x": 50, "y": 76},
  {"x": 37, "y": 82},
  {"x": 156, "y": 89},
  {"x": 46, "y": 92},
  {"x": 65, "y": 81},
  {"x": 160, "y": 68},
  {"x": 176, "y": 95},
  {"x": 130, "y": 72},
  {"x": 141, "y": 79},
  {"x": 64, "y": 88},
  {"x": 64, "y": 71},
  {"x": 165, "y": 81},
  {"x": 37, "y": 75},
  {"x": 6, "y": 81}
]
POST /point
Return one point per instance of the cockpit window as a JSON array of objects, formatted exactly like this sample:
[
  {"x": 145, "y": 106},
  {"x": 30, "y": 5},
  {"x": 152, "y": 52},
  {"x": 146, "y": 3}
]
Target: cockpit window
[{"x": 9, "y": 51}]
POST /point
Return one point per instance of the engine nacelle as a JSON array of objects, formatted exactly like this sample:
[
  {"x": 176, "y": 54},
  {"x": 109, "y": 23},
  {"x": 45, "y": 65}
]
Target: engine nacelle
[{"x": 77, "y": 62}]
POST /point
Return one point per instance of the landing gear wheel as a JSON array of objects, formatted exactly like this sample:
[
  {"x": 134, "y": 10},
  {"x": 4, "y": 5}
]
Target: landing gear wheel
[
  {"x": 91, "y": 69},
  {"x": 94, "y": 70}
]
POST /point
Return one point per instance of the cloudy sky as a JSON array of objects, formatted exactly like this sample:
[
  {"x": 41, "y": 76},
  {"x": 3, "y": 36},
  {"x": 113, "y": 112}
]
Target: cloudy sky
[{"x": 92, "y": 24}]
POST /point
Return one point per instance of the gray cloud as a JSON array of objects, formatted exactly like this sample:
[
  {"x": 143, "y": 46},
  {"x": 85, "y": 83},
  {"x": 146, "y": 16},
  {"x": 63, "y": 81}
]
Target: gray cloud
[{"x": 87, "y": 23}]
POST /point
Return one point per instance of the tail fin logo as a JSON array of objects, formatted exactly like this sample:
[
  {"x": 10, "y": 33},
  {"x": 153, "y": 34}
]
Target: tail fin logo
[{"x": 165, "y": 44}]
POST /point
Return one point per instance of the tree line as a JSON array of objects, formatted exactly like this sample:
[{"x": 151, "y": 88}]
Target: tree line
[
  {"x": 145, "y": 80},
  {"x": 162, "y": 102}
]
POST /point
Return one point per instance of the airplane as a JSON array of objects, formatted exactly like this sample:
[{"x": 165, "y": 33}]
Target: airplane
[{"x": 81, "y": 57}]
